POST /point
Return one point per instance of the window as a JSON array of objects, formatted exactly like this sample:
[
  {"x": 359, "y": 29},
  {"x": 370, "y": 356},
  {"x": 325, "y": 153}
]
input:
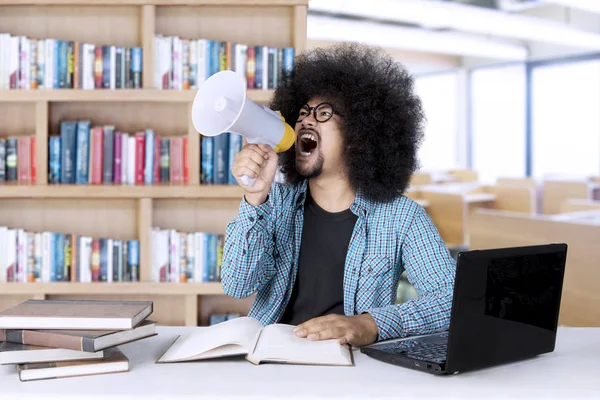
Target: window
[
  {"x": 438, "y": 95},
  {"x": 498, "y": 122},
  {"x": 565, "y": 122}
]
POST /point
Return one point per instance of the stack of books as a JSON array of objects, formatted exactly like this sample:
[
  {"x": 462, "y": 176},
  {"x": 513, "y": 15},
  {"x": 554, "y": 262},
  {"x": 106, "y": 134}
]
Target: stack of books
[{"x": 49, "y": 339}]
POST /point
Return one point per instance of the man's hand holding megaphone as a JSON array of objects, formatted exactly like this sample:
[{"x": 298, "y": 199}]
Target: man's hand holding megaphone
[
  {"x": 257, "y": 161},
  {"x": 221, "y": 105}
]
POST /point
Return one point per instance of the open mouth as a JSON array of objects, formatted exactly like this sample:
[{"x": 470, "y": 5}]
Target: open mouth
[{"x": 307, "y": 143}]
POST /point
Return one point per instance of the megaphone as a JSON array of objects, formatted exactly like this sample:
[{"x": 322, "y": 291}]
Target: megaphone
[{"x": 221, "y": 105}]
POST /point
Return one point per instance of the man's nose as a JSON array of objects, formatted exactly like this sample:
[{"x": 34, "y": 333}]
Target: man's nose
[{"x": 309, "y": 120}]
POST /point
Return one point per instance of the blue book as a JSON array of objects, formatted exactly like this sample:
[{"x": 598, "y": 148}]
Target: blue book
[
  {"x": 56, "y": 77},
  {"x": 288, "y": 59},
  {"x": 59, "y": 266},
  {"x": 53, "y": 240},
  {"x": 207, "y": 159},
  {"x": 149, "y": 164},
  {"x": 103, "y": 260},
  {"x": 133, "y": 259},
  {"x": 83, "y": 152},
  {"x": 209, "y": 64},
  {"x": 136, "y": 67},
  {"x": 68, "y": 135},
  {"x": 235, "y": 146},
  {"x": 215, "y": 57},
  {"x": 62, "y": 76},
  {"x": 212, "y": 254},
  {"x": 258, "y": 72},
  {"x": 221, "y": 158},
  {"x": 54, "y": 160},
  {"x": 205, "y": 251}
]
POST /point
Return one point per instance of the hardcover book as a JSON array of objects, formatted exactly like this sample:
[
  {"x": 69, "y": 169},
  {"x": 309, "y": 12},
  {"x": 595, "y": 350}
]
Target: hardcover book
[
  {"x": 75, "y": 314},
  {"x": 114, "y": 361}
]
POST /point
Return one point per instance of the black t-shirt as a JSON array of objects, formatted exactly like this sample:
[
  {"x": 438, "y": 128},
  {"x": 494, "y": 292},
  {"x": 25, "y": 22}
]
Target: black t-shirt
[{"x": 319, "y": 286}]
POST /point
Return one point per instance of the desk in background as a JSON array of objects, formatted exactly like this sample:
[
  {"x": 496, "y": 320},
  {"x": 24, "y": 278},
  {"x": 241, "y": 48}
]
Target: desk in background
[{"x": 570, "y": 372}]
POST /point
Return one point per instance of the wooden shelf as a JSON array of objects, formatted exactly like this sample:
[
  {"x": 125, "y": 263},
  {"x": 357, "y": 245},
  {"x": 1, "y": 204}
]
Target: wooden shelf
[
  {"x": 116, "y": 95},
  {"x": 11, "y": 191},
  {"x": 159, "y": 2},
  {"x": 121, "y": 288}
]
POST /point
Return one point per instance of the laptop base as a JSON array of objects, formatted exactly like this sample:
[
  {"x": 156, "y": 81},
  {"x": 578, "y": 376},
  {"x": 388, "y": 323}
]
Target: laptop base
[{"x": 400, "y": 360}]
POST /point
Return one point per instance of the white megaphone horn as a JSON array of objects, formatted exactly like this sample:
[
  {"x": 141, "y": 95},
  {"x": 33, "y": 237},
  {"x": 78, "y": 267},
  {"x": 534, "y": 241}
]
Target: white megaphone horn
[{"x": 221, "y": 105}]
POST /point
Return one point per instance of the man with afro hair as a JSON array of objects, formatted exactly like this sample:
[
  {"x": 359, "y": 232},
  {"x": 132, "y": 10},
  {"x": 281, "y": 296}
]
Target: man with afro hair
[{"x": 325, "y": 249}]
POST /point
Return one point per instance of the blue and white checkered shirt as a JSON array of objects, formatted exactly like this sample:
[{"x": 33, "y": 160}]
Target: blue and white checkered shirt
[{"x": 263, "y": 243}]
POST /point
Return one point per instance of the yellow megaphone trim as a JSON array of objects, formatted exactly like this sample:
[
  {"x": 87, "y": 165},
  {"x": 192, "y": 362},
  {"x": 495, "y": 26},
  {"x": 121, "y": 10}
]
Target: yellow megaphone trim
[{"x": 288, "y": 139}]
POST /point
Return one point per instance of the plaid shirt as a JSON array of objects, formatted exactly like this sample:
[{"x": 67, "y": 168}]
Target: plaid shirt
[{"x": 263, "y": 243}]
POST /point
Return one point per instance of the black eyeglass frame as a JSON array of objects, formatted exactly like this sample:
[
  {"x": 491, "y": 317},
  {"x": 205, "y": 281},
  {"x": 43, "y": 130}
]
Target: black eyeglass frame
[{"x": 313, "y": 110}]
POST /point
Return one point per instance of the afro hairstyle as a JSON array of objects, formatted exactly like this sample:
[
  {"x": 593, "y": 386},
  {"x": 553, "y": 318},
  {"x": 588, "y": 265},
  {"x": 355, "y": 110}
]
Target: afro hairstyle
[{"x": 382, "y": 124}]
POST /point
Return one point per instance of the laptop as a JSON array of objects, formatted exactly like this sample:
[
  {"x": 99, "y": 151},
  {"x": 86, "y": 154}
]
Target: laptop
[{"x": 505, "y": 308}]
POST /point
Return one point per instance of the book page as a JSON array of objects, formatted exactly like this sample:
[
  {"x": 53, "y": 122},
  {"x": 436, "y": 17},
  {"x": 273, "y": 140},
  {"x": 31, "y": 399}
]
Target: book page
[
  {"x": 236, "y": 336},
  {"x": 278, "y": 343}
]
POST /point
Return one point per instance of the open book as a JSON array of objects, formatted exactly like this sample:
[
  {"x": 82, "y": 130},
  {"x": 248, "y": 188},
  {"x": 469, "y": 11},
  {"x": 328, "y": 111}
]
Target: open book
[{"x": 246, "y": 336}]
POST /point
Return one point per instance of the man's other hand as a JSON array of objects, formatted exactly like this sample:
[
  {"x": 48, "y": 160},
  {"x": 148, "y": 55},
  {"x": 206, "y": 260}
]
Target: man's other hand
[{"x": 357, "y": 330}]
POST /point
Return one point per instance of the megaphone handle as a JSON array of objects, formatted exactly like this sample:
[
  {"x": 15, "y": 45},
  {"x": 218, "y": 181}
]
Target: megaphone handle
[{"x": 247, "y": 181}]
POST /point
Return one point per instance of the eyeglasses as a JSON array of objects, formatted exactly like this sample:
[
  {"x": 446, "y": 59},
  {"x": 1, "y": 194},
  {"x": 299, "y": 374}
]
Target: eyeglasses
[{"x": 322, "y": 112}]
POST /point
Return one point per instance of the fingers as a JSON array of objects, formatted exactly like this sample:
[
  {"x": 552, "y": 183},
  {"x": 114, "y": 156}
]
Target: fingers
[
  {"x": 246, "y": 166},
  {"x": 320, "y": 328},
  {"x": 302, "y": 329}
]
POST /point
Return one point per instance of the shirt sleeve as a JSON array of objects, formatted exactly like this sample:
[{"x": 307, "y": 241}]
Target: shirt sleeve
[
  {"x": 431, "y": 270},
  {"x": 248, "y": 262}
]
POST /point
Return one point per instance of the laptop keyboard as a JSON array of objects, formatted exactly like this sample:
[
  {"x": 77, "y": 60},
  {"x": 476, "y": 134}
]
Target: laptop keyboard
[{"x": 431, "y": 348}]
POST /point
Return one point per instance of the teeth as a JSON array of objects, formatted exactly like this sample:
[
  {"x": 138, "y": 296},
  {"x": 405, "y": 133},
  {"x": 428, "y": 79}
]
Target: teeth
[
  {"x": 309, "y": 136},
  {"x": 305, "y": 154}
]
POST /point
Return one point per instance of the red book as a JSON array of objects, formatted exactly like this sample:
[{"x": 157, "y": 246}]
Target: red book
[
  {"x": 118, "y": 158},
  {"x": 95, "y": 260},
  {"x": 251, "y": 66},
  {"x": 156, "y": 160},
  {"x": 97, "y": 153},
  {"x": 98, "y": 67},
  {"x": 140, "y": 156},
  {"x": 184, "y": 157},
  {"x": 24, "y": 159},
  {"x": 176, "y": 160},
  {"x": 33, "y": 167}
]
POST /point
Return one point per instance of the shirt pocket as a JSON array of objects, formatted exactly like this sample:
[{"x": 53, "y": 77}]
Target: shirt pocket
[{"x": 375, "y": 265}]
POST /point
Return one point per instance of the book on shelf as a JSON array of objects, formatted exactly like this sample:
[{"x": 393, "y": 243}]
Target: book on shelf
[
  {"x": 17, "y": 159},
  {"x": 180, "y": 257},
  {"x": 114, "y": 361},
  {"x": 76, "y": 314},
  {"x": 217, "y": 154},
  {"x": 27, "y": 256},
  {"x": 245, "y": 336},
  {"x": 87, "y": 153},
  {"x": 185, "y": 63},
  {"x": 49, "y": 63},
  {"x": 87, "y": 341}
]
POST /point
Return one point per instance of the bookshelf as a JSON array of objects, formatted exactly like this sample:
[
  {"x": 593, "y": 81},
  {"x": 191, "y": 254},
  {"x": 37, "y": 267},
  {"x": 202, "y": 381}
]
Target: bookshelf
[{"x": 123, "y": 211}]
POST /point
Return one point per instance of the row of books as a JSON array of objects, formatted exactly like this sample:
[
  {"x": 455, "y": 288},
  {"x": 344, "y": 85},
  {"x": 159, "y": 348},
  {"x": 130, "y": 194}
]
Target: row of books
[
  {"x": 32, "y": 63},
  {"x": 27, "y": 256},
  {"x": 217, "y": 155},
  {"x": 48, "y": 339},
  {"x": 87, "y": 153},
  {"x": 180, "y": 257},
  {"x": 17, "y": 159},
  {"x": 183, "y": 63}
]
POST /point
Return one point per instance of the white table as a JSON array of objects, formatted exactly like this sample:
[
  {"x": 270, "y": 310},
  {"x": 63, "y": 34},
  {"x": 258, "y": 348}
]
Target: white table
[{"x": 572, "y": 371}]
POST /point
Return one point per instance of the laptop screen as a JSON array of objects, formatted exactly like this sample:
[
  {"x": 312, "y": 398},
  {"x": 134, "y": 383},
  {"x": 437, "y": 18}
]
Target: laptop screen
[{"x": 506, "y": 304}]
